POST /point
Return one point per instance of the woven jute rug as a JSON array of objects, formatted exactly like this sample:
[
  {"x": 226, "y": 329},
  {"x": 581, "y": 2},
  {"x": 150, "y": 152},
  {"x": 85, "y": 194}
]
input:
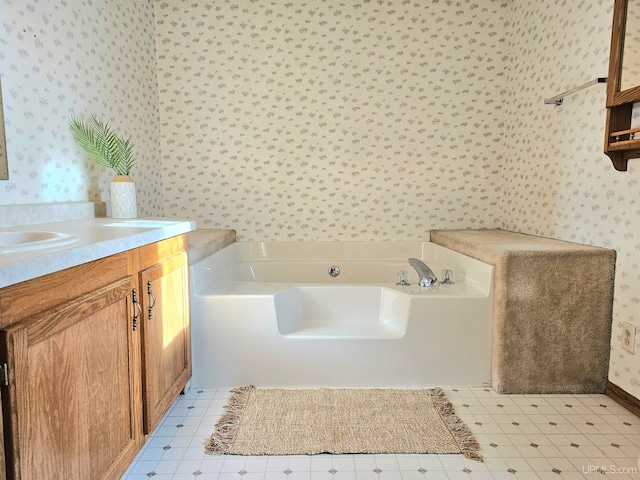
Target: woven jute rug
[{"x": 269, "y": 421}]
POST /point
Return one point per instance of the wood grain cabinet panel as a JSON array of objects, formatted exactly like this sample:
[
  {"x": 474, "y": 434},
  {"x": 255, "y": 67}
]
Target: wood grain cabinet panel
[
  {"x": 166, "y": 338},
  {"x": 90, "y": 370},
  {"x": 71, "y": 414},
  {"x": 28, "y": 298}
]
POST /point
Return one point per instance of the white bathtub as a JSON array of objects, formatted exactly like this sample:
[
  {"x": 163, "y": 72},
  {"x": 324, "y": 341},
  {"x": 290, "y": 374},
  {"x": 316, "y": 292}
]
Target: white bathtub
[{"x": 269, "y": 314}]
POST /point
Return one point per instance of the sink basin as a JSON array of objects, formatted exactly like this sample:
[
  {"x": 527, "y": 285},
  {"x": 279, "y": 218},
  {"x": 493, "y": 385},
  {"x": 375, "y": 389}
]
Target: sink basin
[{"x": 11, "y": 242}]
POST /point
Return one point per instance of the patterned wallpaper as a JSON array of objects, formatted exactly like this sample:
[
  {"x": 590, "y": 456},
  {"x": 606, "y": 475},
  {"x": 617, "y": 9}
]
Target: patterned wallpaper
[
  {"x": 556, "y": 181},
  {"x": 329, "y": 119},
  {"x": 4, "y": 170},
  {"x": 59, "y": 58}
]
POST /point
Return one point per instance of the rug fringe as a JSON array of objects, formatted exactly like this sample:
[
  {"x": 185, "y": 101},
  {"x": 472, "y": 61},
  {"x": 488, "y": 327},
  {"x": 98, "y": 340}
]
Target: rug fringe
[
  {"x": 463, "y": 436},
  {"x": 221, "y": 440}
]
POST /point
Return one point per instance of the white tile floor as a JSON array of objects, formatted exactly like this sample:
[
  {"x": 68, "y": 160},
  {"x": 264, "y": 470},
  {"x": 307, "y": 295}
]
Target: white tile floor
[{"x": 527, "y": 437}]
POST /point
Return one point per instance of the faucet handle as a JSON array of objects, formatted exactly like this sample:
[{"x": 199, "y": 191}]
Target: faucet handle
[
  {"x": 446, "y": 277},
  {"x": 403, "y": 279}
]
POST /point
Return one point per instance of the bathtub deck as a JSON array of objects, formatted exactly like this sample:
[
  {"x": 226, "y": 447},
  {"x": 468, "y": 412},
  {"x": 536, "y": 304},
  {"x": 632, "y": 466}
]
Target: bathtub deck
[
  {"x": 233, "y": 287},
  {"x": 544, "y": 285}
]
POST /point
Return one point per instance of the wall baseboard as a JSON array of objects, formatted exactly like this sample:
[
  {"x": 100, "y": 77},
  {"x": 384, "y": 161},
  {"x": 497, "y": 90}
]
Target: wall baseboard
[{"x": 625, "y": 399}]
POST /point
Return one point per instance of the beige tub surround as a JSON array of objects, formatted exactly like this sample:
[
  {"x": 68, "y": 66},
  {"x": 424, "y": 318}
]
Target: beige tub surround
[
  {"x": 552, "y": 309},
  {"x": 205, "y": 242}
]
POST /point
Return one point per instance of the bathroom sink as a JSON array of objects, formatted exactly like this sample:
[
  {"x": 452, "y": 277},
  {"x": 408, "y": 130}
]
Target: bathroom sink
[{"x": 11, "y": 242}]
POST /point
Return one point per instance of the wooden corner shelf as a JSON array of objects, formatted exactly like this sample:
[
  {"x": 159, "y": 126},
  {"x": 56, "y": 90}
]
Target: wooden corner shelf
[
  {"x": 625, "y": 145},
  {"x": 620, "y": 142}
]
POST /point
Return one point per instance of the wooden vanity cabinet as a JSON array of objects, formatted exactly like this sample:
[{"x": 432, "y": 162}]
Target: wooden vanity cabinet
[
  {"x": 74, "y": 403},
  {"x": 166, "y": 337},
  {"x": 70, "y": 408}
]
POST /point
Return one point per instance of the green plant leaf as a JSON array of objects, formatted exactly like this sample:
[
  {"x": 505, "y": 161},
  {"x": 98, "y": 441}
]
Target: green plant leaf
[{"x": 102, "y": 144}]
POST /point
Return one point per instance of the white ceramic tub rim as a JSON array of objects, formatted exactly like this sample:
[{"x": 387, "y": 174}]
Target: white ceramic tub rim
[{"x": 473, "y": 273}]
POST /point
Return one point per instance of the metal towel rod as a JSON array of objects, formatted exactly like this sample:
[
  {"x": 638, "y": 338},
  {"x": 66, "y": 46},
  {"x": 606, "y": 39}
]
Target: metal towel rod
[{"x": 559, "y": 99}]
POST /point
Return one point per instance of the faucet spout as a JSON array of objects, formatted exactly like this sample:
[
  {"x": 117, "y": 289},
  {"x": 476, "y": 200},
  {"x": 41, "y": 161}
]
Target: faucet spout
[{"x": 427, "y": 277}]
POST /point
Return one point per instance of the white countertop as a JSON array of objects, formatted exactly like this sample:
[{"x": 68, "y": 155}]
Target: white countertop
[{"x": 96, "y": 238}]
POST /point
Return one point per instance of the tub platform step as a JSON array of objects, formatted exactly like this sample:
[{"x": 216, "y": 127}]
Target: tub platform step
[
  {"x": 552, "y": 308},
  {"x": 206, "y": 242},
  {"x": 342, "y": 312},
  {"x": 320, "y": 329}
]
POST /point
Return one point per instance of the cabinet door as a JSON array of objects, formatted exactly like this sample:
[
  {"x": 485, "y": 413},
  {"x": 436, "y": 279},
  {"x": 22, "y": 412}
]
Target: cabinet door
[
  {"x": 166, "y": 338},
  {"x": 3, "y": 469},
  {"x": 69, "y": 408}
]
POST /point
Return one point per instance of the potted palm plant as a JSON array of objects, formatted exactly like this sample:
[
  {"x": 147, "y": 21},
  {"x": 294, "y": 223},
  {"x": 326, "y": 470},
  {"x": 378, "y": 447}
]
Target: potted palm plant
[{"x": 107, "y": 149}]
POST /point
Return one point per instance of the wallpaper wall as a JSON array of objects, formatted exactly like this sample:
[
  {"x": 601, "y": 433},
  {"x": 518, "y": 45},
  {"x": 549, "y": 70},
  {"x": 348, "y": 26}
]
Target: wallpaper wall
[
  {"x": 77, "y": 57},
  {"x": 4, "y": 168},
  {"x": 331, "y": 119},
  {"x": 556, "y": 181}
]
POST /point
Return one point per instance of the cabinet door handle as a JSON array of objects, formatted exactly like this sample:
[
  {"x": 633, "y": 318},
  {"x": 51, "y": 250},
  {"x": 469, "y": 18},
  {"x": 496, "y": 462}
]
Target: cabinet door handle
[
  {"x": 137, "y": 309},
  {"x": 151, "y": 297}
]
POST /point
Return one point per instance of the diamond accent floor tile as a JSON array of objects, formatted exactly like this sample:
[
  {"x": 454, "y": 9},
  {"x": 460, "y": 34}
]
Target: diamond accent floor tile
[{"x": 533, "y": 437}]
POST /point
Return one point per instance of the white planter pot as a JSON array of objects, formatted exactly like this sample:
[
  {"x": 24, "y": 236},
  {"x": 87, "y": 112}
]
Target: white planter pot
[{"x": 123, "y": 197}]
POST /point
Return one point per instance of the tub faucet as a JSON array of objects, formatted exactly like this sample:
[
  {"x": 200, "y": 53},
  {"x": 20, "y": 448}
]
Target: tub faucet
[{"x": 427, "y": 277}]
